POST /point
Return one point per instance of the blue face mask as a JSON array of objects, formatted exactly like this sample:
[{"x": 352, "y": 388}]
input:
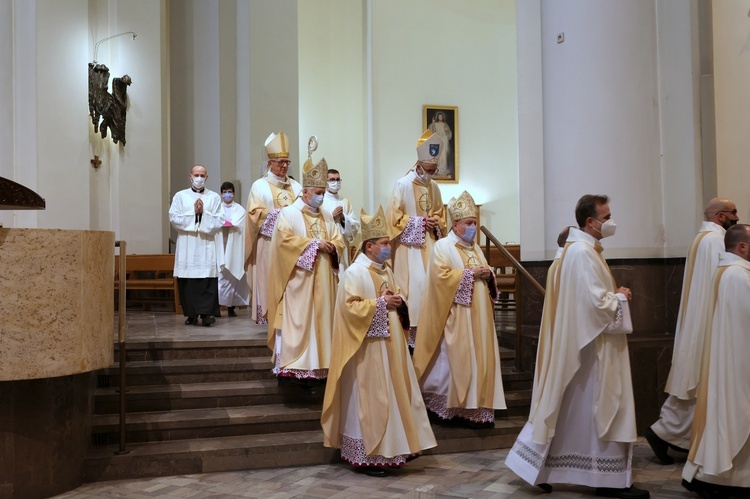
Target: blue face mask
[
  {"x": 385, "y": 254},
  {"x": 469, "y": 233},
  {"x": 316, "y": 200},
  {"x": 227, "y": 196}
]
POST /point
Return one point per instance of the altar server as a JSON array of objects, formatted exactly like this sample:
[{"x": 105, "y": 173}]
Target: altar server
[{"x": 233, "y": 287}]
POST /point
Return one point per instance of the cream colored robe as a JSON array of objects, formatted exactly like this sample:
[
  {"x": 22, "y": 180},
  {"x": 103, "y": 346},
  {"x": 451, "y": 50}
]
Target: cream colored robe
[
  {"x": 411, "y": 201},
  {"x": 301, "y": 301},
  {"x": 720, "y": 451},
  {"x": 466, "y": 334},
  {"x": 233, "y": 286},
  {"x": 350, "y": 231},
  {"x": 266, "y": 194},
  {"x": 585, "y": 385},
  {"x": 372, "y": 399}
]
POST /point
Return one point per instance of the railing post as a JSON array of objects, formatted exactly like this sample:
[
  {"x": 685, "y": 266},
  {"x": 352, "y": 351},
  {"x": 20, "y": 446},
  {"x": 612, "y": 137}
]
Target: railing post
[{"x": 122, "y": 346}]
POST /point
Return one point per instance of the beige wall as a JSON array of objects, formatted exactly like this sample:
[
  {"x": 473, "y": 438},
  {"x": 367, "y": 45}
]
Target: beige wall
[{"x": 732, "y": 99}]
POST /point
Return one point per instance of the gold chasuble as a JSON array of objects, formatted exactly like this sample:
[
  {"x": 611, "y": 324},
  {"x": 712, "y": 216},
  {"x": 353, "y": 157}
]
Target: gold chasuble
[
  {"x": 267, "y": 196},
  {"x": 301, "y": 291},
  {"x": 412, "y": 242},
  {"x": 373, "y": 410},
  {"x": 720, "y": 440},
  {"x": 456, "y": 355}
]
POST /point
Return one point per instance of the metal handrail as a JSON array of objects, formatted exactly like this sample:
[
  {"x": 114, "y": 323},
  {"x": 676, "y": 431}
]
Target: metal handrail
[
  {"x": 511, "y": 258},
  {"x": 121, "y": 343}
]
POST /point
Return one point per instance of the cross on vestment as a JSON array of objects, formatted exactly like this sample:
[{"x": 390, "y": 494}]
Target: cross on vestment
[{"x": 96, "y": 162}]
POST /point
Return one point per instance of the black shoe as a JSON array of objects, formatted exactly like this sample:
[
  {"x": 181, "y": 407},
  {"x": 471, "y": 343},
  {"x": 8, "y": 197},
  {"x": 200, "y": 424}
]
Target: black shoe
[
  {"x": 231, "y": 312},
  {"x": 468, "y": 423},
  {"x": 626, "y": 493},
  {"x": 373, "y": 471},
  {"x": 713, "y": 491},
  {"x": 547, "y": 488},
  {"x": 191, "y": 321},
  {"x": 659, "y": 446},
  {"x": 207, "y": 320}
]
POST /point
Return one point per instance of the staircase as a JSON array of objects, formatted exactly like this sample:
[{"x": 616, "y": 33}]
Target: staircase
[{"x": 203, "y": 406}]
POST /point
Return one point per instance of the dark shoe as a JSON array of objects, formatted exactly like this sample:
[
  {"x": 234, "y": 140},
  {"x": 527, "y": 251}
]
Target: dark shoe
[
  {"x": 468, "y": 423},
  {"x": 712, "y": 491},
  {"x": 659, "y": 446},
  {"x": 627, "y": 493},
  {"x": 547, "y": 488},
  {"x": 231, "y": 312},
  {"x": 440, "y": 421},
  {"x": 207, "y": 320},
  {"x": 373, "y": 471},
  {"x": 191, "y": 321}
]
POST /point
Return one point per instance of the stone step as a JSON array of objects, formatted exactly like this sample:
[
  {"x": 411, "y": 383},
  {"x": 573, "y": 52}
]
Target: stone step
[
  {"x": 177, "y": 371},
  {"x": 150, "y": 398},
  {"x": 300, "y": 448},
  {"x": 195, "y": 349},
  {"x": 203, "y": 423},
  {"x": 212, "y": 394}
]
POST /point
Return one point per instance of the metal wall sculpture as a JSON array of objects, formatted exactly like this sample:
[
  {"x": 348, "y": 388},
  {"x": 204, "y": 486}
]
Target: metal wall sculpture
[
  {"x": 15, "y": 196},
  {"x": 109, "y": 108}
]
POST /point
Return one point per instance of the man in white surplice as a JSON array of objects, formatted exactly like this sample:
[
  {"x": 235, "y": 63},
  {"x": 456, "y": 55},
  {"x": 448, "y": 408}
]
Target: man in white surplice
[
  {"x": 581, "y": 426},
  {"x": 676, "y": 417},
  {"x": 341, "y": 210},
  {"x": 234, "y": 290},
  {"x": 719, "y": 461}
]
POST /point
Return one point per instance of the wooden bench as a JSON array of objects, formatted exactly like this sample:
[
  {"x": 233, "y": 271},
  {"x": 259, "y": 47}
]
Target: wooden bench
[{"x": 149, "y": 272}]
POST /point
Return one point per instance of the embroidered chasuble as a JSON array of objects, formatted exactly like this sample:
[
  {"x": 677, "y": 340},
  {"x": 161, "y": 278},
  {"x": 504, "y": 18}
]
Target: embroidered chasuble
[
  {"x": 267, "y": 196},
  {"x": 720, "y": 449},
  {"x": 582, "y": 420},
  {"x": 373, "y": 410},
  {"x": 456, "y": 355},
  {"x": 412, "y": 243},
  {"x": 302, "y": 291}
]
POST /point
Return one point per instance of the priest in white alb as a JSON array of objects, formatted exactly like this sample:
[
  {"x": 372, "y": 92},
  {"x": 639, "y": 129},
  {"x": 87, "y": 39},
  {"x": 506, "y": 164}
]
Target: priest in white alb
[
  {"x": 416, "y": 219},
  {"x": 719, "y": 461},
  {"x": 672, "y": 430},
  {"x": 456, "y": 354},
  {"x": 341, "y": 209},
  {"x": 268, "y": 195},
  {"x": 581, "y": 426},
  {"x": 305, "y": 252},
  {"x": 234, "y": 290},
  {"x": 373, "y": 410},
  {"x": 197, "y": 216}
]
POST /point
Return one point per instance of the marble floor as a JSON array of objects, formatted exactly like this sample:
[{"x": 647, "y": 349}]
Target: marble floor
[{"x": 479, "y": 474}]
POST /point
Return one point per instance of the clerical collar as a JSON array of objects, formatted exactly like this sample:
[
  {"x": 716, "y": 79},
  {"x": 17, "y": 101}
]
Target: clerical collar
[
  {"x": 196, "y": 190},
  {"x": 280, "y": 179}
]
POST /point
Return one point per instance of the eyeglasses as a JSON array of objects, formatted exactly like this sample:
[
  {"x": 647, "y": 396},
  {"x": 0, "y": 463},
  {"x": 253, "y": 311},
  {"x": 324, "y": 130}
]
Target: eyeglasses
[
  {"x": 282, "y": 162},
  {"x": 733, "y": 212}
]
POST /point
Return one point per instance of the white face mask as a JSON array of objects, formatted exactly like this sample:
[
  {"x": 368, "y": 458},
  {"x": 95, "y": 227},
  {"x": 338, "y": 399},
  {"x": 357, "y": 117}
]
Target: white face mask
[
  {"x": 199, "y": 182},
  {"x": 608, "y": 228},
  {"x": 334, "y": 186},
  {"x": 424, "y": 176},
  {"x": 316, "y": 200}
]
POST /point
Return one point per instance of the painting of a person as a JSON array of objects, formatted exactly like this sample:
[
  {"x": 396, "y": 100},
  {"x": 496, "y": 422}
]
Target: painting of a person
[{"x": 441, "y": 127}]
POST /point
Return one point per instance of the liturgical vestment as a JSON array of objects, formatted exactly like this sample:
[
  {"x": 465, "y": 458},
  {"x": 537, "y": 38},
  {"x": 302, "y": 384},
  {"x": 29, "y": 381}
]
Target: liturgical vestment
[
  {"x": 412, "y": 242},
  {"x": 720, "y": 447},
  {"x": 302, "y": 291},
  {"x": 233, "y": 287},
  {"x": 676, "y": 416},
  {"x": 267, "y": 196},
  {"x": 582, "y": 421},
  {"x": 349, "y": 228},
  {"x": 373, "y": 410},
  {"x": 456, "y": 355}
]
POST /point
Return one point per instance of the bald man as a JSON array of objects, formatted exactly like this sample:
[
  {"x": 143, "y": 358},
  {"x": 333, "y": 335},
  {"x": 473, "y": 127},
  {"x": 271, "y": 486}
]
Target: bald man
[
  {"x": 197, "y": 216},
  {"x": 672, "y": 430},
  {"x": 719, "y": 460}
]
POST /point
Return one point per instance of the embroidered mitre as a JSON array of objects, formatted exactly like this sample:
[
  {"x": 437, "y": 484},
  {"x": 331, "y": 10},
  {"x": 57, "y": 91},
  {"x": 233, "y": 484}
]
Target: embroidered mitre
[
  {"x": 373, "y": 227},
  {"x": 429, "y": 147},
  {"x": 462, "y": 207},
  {"x": 277, "y": 145}
]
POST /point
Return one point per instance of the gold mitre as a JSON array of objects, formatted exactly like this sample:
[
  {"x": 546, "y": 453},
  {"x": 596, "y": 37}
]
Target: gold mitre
[
  {"x": 429, "y": 147},
  {"x": 462, "y": 207},
  {"x": 277, "y": 146},
  {"x": 315, "y": 176},
  {"x": 373, "y": 227}
]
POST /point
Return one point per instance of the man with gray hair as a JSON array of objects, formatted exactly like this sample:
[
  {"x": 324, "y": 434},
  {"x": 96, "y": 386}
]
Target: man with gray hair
[{"x": 672, "y": 430}]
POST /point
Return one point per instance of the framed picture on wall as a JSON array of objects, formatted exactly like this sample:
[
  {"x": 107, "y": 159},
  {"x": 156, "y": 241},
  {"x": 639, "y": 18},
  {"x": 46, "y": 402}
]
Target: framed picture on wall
[{"x": 443, "y": 120}]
